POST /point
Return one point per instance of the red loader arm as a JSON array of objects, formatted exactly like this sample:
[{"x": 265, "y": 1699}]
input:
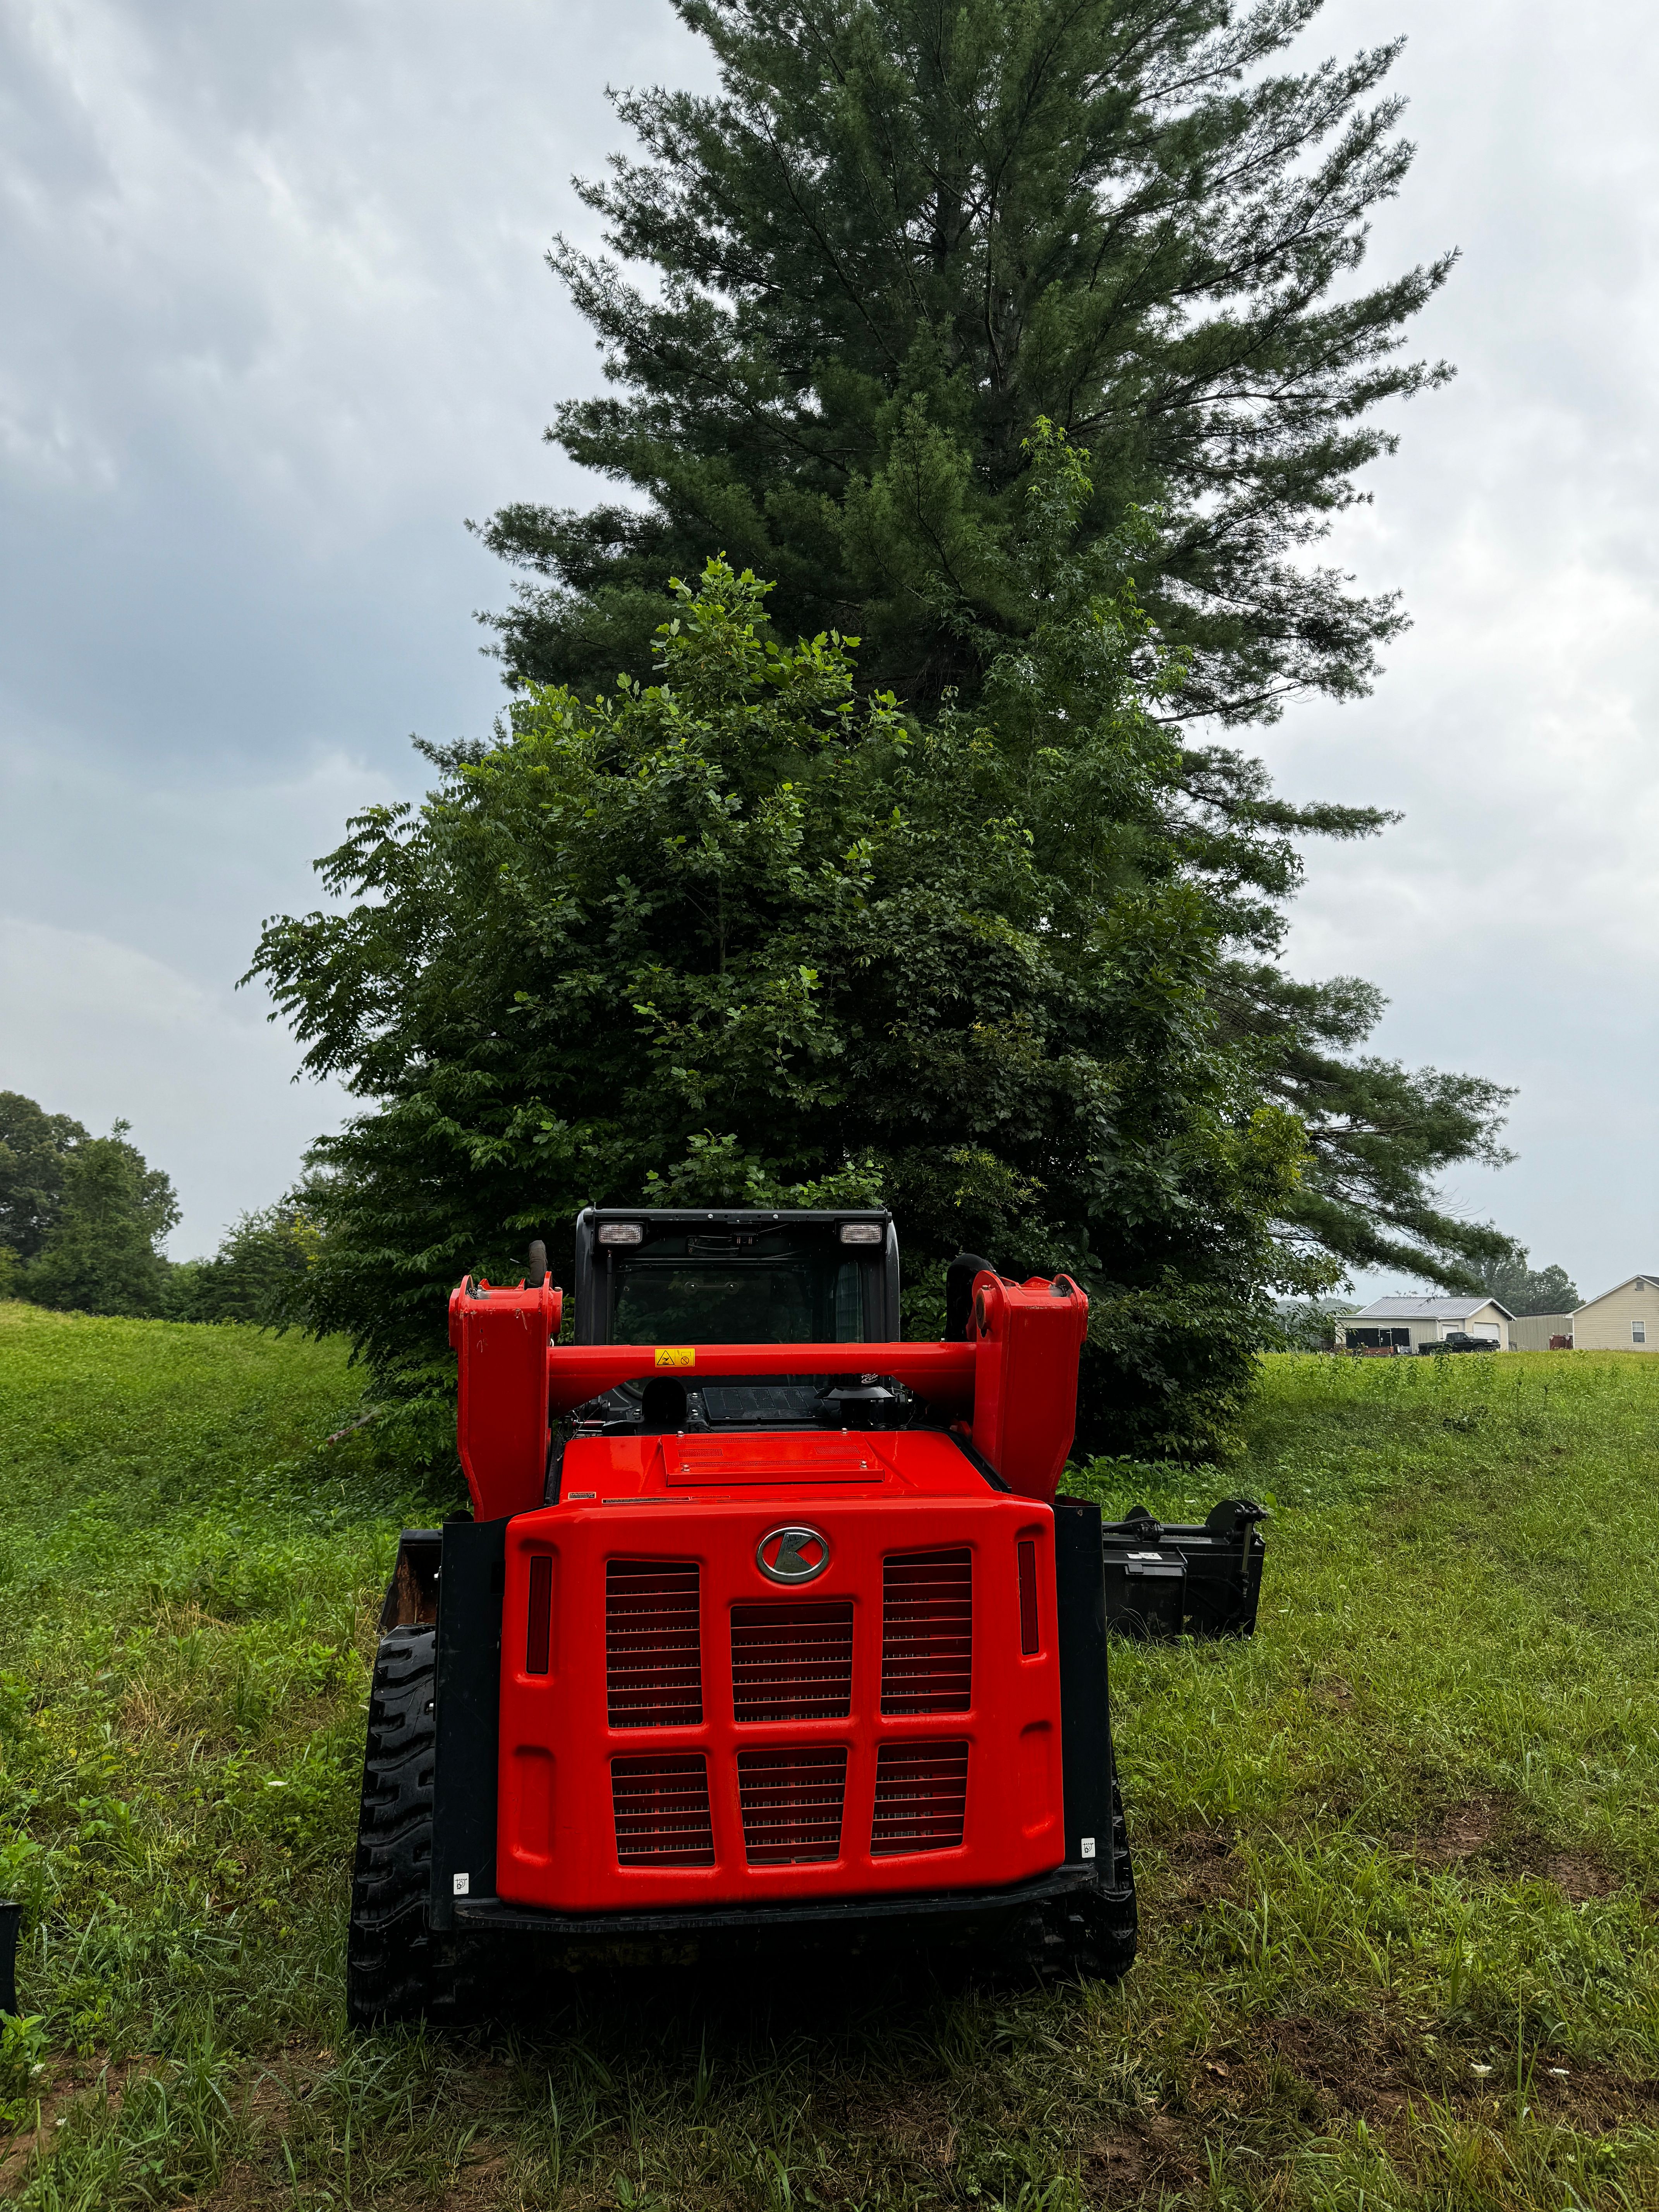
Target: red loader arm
[{"x": 1016, "y": 1379}]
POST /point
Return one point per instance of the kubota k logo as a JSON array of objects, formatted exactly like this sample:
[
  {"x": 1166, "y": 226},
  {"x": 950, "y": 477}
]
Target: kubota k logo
[{"x": 791, "y": 1554}]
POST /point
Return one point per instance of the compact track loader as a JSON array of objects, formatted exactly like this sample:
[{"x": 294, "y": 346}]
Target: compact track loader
[{"x": 767, "y": 1629}]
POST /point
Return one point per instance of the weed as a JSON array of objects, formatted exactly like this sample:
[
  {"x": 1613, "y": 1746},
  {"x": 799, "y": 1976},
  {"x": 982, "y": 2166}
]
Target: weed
[{"x": 1395, "y": 1853}]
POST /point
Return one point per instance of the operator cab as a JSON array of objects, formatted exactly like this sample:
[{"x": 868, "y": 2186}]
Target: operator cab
[{"x": 688, "y": 1276}]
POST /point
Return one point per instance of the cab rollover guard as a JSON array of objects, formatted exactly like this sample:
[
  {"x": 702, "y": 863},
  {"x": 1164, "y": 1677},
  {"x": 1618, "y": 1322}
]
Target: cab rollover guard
[{"x": 745, "y": 1640}]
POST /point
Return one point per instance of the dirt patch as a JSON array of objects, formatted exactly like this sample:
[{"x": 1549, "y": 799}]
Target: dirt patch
[
  {"x": 1582, "y": 1875},
  {"x": 1202, "y": 1867},
  {"x": 914, "y": 2122},
  {"x": 240, "y": 2190},
  {"x": 1352, "y": 2063},
  {"x": 1591, "y": 2099},
  {"x": 1357, "y": 2063},
  {"x": 1491, "y": 1832},
  {"x": 1151, "y": 2158},
  {"x": 65, "y": 2086},
  {"x": 1467, "y": 1830},
  {"x": 481, "y": 2182}
]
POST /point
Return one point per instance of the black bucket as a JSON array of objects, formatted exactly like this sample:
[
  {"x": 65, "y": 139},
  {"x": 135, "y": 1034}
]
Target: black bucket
[{"x": 1193, "y": 1578}]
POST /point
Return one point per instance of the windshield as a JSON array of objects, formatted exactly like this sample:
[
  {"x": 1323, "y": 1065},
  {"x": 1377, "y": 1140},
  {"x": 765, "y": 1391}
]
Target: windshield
[{"x": 781, "y": 1288}]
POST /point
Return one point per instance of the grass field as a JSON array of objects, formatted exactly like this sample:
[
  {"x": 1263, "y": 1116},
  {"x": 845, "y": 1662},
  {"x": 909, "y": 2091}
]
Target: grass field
[{"x": 1397, "y": 1855}]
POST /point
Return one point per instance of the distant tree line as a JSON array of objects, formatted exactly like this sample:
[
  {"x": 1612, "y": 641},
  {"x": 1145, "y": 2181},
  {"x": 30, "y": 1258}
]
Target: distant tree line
[
  {"x": 1525, "y": 1290},
  {"x": 82, "y": 1219}
]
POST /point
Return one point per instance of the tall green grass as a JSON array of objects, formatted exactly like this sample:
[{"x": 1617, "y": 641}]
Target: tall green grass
[{"x": 1396, "y": 1853}]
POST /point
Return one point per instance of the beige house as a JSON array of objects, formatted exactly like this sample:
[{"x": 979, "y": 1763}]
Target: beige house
[
  {"x": 1408, "y": 1324},
  {"x": 1622, "y": 1320}
]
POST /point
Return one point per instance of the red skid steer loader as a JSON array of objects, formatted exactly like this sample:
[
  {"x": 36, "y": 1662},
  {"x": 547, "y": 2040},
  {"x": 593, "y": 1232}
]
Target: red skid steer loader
[{"x": 767, "y": 1628}]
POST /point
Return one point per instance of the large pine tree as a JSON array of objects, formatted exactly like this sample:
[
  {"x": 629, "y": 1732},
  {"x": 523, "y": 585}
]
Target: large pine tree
[{"x": 903, "y": 231}]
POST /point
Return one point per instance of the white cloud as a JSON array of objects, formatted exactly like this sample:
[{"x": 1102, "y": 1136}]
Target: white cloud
[{"x": 94, "y": 1028}]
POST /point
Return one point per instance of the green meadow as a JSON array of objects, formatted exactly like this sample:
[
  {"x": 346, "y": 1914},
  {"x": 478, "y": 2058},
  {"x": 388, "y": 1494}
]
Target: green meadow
[{"x": 1397, "y": 1855}]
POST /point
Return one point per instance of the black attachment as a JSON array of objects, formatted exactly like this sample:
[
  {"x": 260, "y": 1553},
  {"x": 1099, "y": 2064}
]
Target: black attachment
[
  {"x": 959, "y": 1293},
  {"x": 468, "y": 1714},
  {"x": 1173, "y": 1578},
  {"x": 538, "y": 1274},
  {"x": 11, "y": 1914}
]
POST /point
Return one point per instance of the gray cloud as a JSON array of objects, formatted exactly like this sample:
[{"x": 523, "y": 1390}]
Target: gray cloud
[
  {"x": 1510, "y": 916},
  {"x": 276, "y": 321}
]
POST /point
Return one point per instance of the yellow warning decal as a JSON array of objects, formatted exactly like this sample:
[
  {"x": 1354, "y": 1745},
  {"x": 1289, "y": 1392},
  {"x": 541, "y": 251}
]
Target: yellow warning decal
[{"x": 676, "y": 1355}]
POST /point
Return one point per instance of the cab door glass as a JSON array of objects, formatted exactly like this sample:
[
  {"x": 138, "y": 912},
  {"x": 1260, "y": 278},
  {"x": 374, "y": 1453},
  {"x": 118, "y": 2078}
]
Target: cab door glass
[{"x": 849, "y": 1303}]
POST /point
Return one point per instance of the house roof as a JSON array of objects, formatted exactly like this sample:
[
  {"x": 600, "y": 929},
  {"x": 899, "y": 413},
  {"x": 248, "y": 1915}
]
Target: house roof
[
  {"x": 1630, "y": 1283},
  {"x": 1429, "y": 1309}
]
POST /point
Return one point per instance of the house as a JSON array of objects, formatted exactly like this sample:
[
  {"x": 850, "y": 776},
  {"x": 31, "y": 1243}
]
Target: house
[
  {"x": 1408, "y": 1324},
  {"x": 1626, "y": 1319}
]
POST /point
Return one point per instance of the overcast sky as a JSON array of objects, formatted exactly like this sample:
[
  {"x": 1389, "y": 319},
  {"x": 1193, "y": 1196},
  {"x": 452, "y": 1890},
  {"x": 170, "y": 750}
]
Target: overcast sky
[{"x": 276, "y": 322}]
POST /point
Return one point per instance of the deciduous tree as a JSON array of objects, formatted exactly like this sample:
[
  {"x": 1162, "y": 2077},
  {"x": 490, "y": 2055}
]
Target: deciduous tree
[
  {"x": 103, "y": 1254},
  {"x": 746, "y": 934},
  {"x": 33, "y": 1147},
  {"x": 1526, "y": 1290}
]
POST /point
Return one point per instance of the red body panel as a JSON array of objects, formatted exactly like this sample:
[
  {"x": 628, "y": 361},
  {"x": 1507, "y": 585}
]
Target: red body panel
[
  {"x": 501, "y": 1338},
  {"x": 1027, "y": 1340},
  {"x": 859, "y": 1791}
]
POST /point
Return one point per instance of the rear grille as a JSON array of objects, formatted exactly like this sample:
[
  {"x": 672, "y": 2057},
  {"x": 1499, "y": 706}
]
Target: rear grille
[
  {"x": 922, "y": 1798},
  {"x": 792, "y": 1662},
  {"x": 662, "y": 1811},
  {"x": 927, "y": 1631},
  {"x": 652, "y": 1659},
  {"x": 792, "y": 1803}
]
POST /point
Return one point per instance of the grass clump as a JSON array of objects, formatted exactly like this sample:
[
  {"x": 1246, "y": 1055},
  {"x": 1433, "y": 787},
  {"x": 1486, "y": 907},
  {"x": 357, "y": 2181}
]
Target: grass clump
[{"x": 1396, "y": 1853}]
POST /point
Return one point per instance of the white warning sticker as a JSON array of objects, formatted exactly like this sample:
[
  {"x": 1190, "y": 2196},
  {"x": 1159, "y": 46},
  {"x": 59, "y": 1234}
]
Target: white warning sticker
[
  {"x": 1086, "y": 1849},
  {"x": 464, "y": 1882}
]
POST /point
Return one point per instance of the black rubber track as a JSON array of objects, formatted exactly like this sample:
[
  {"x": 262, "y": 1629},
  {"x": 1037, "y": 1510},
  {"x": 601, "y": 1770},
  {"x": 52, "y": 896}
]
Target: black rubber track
[
  {"x": 1091, "y": 1936},
  {"x": 392, "y": 1972}
]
